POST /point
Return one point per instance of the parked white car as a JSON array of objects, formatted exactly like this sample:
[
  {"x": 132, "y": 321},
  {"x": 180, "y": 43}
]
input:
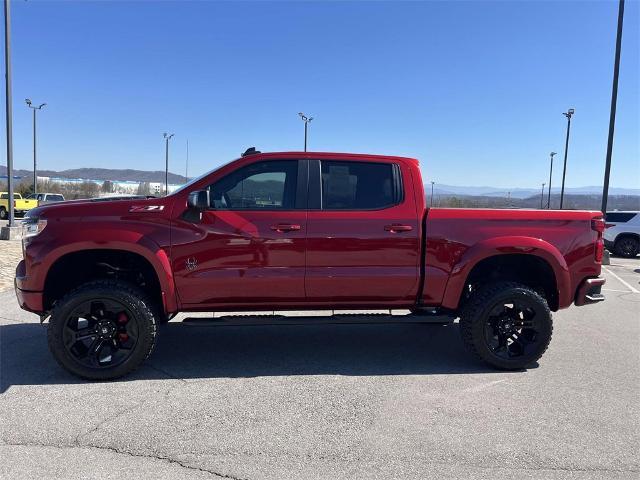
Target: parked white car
[
  {"x": 47, "y": 197},
  {"x": 622, "y": 235}
]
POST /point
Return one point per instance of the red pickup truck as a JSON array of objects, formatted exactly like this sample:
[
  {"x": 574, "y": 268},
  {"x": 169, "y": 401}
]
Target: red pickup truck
[{"x": 301, "y": 231}]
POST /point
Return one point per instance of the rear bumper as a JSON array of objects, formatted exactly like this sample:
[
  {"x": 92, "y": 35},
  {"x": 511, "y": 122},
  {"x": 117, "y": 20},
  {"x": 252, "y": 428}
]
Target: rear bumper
[{"x": 590, "y": 291}]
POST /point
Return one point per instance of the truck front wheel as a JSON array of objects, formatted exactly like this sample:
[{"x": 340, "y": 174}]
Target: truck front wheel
[
  {"x": 507, "y": 325},
  {"x": 102, "y": 330}
]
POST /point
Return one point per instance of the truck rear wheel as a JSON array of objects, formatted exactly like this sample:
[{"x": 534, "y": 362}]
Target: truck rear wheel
[
  {"x": 3, "y": 213},
  {"x": 507, "y": 325},
  {"x": 102, "y": 330}
]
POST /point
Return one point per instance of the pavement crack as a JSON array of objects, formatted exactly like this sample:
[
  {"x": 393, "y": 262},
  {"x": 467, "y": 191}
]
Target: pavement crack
[
  {"x": 106, "y": 420},
  {"x": 159, "y": 457}
]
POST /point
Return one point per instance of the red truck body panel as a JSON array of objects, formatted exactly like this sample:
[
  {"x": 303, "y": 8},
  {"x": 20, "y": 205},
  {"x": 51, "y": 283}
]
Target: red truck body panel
[
  {"x": 457, "y": 239},
  {"x": 242, "y": 260}
]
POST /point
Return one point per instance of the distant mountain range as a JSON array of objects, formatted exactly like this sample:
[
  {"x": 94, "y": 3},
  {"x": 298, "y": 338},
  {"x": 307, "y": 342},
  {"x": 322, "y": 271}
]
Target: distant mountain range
[
  {"x": 440, "y": 189},
  {"x": 101, "y": 174}
]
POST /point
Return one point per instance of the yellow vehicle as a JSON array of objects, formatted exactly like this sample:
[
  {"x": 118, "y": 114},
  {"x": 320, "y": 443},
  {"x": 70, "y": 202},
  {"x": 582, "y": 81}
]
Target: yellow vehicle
[{"x": 20, "y": 205}]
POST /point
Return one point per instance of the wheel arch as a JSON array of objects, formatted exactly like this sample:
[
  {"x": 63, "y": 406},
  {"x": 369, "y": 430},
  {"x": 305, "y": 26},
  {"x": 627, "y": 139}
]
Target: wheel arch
[
  {"x": 72, "y": 264},
  {"x": 508, "y": 253},
  {"x": 627, "y": 234}
]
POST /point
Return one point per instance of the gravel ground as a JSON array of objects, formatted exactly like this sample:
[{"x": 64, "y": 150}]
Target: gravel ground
[
  {"x": 302, "y": 402},
  {"x": 10, "y": 255}
]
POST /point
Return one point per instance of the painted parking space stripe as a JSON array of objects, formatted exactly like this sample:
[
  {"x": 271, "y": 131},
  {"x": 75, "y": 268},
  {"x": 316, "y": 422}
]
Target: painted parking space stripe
[{"x": 630, "y": 287}]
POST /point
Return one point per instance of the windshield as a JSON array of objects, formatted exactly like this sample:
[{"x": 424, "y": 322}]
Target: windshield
[{"x": 197, "y": 179}]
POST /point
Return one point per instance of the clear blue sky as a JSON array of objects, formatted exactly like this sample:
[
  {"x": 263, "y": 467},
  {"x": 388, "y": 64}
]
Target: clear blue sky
[{"x": 476, "y": 90}]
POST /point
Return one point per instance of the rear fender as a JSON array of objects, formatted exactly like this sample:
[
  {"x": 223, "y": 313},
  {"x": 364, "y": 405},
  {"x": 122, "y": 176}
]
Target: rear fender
[{"x": 505, "y": 246}]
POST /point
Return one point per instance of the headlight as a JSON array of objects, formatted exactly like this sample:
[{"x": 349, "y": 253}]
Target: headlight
[{"x": 32, "y": 226}]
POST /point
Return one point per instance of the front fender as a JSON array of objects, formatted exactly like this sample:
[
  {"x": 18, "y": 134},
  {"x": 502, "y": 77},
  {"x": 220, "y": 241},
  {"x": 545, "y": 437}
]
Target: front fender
[
  {"x": 108, "y": 239},
  {"x": 507, "y": 246}
]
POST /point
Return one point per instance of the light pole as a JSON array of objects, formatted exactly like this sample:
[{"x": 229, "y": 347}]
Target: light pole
[
  {"x": 306, "y": 121},
  {"x": 568, "y": 114},
  {"x": 8, "y": 107},
  {"x": 542, "y": 196},
  {"x": 550, "y": 173},
  {"x": 35, "y": 171},
  {"x": 432, "y": 183},
  {"x": 612, "y": 115},
  {"x": 167, "y": 137}
]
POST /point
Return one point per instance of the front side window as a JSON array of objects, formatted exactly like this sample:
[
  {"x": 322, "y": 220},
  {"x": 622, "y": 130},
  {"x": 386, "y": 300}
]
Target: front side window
[
  {"x": 357, "y": 185},
  {"x": 269, "y": 185}
]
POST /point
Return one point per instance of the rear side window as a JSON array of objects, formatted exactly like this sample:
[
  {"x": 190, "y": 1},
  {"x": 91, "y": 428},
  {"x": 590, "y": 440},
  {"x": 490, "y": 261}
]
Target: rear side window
[
  {"x": 267, "y": 185},
  {"x": 359, "y": 185},
  {"x": 55, "y": 198},
  {"x": 619, "y": 217}
]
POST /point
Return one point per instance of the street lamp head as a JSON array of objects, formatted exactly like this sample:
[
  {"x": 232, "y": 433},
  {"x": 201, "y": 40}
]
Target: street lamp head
[
  {"x": 42, "y": 105},
  {"x": 571, "y": 111},
  {"x": 27, "y": 101},
  {"x": 552, "y": 154}
]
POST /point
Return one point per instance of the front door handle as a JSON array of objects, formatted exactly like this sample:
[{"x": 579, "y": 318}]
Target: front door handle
[
  {"x": 285, "y": 227},
  {"x": 397, "y": 228}
]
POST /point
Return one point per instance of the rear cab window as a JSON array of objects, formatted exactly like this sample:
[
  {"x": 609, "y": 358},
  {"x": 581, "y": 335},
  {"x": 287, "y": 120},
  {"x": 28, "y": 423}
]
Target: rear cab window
[{"x": 354, "y": 185}]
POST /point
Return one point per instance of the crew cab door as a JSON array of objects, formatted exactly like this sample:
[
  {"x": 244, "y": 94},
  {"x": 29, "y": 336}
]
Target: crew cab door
[
  {"x": 363, "y": 233},
  {"x": 249, "y": 247}
]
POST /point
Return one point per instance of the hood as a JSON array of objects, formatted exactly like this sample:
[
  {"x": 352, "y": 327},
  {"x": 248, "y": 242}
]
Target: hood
[{"x": 100, "y": 206}]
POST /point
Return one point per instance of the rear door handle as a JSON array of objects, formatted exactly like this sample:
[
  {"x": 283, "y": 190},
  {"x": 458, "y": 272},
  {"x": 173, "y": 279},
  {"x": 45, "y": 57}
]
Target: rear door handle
[
  {"x": 397, "y": 228},
  {"x": 285, "y": 227}
]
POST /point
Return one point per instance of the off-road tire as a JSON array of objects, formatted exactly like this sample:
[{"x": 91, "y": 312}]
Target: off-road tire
[
  {"x": 627, "y": 247},
  {"x": 475, "y": 314},
  {"x": 136, "y": 302}
]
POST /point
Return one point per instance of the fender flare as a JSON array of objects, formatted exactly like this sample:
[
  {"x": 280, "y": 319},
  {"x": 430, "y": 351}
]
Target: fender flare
[
  {"x": 126, "y": 240},
  {"x": 508, "y": 245}
]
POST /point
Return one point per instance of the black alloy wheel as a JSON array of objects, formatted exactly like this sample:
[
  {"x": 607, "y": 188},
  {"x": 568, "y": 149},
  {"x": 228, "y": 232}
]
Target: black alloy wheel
[
  {"x": 103, "y": 329},
  {"x": 511, "y": 329},
  {"x": 100, "y": 333},
  {"x": 627, "y": 247},
  {"x": 507, "y": 325}
]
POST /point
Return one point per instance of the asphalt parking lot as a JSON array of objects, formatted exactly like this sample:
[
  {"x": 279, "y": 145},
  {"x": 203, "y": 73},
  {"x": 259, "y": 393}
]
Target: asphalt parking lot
[{"x": 332, "y": 401}]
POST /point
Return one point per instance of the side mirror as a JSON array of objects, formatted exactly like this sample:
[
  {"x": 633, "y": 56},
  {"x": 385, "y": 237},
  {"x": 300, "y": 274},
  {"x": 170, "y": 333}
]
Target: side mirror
[{"x": 198, "y": 200}]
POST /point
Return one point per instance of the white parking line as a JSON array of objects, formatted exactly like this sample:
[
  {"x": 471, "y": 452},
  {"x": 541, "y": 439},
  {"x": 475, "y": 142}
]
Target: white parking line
[{"x": 630, "y": 287}]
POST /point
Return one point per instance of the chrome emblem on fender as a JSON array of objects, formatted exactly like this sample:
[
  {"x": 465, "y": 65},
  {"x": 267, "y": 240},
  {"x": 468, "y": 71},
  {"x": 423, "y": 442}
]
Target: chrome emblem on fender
[{"x": 191, "y": 263}]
